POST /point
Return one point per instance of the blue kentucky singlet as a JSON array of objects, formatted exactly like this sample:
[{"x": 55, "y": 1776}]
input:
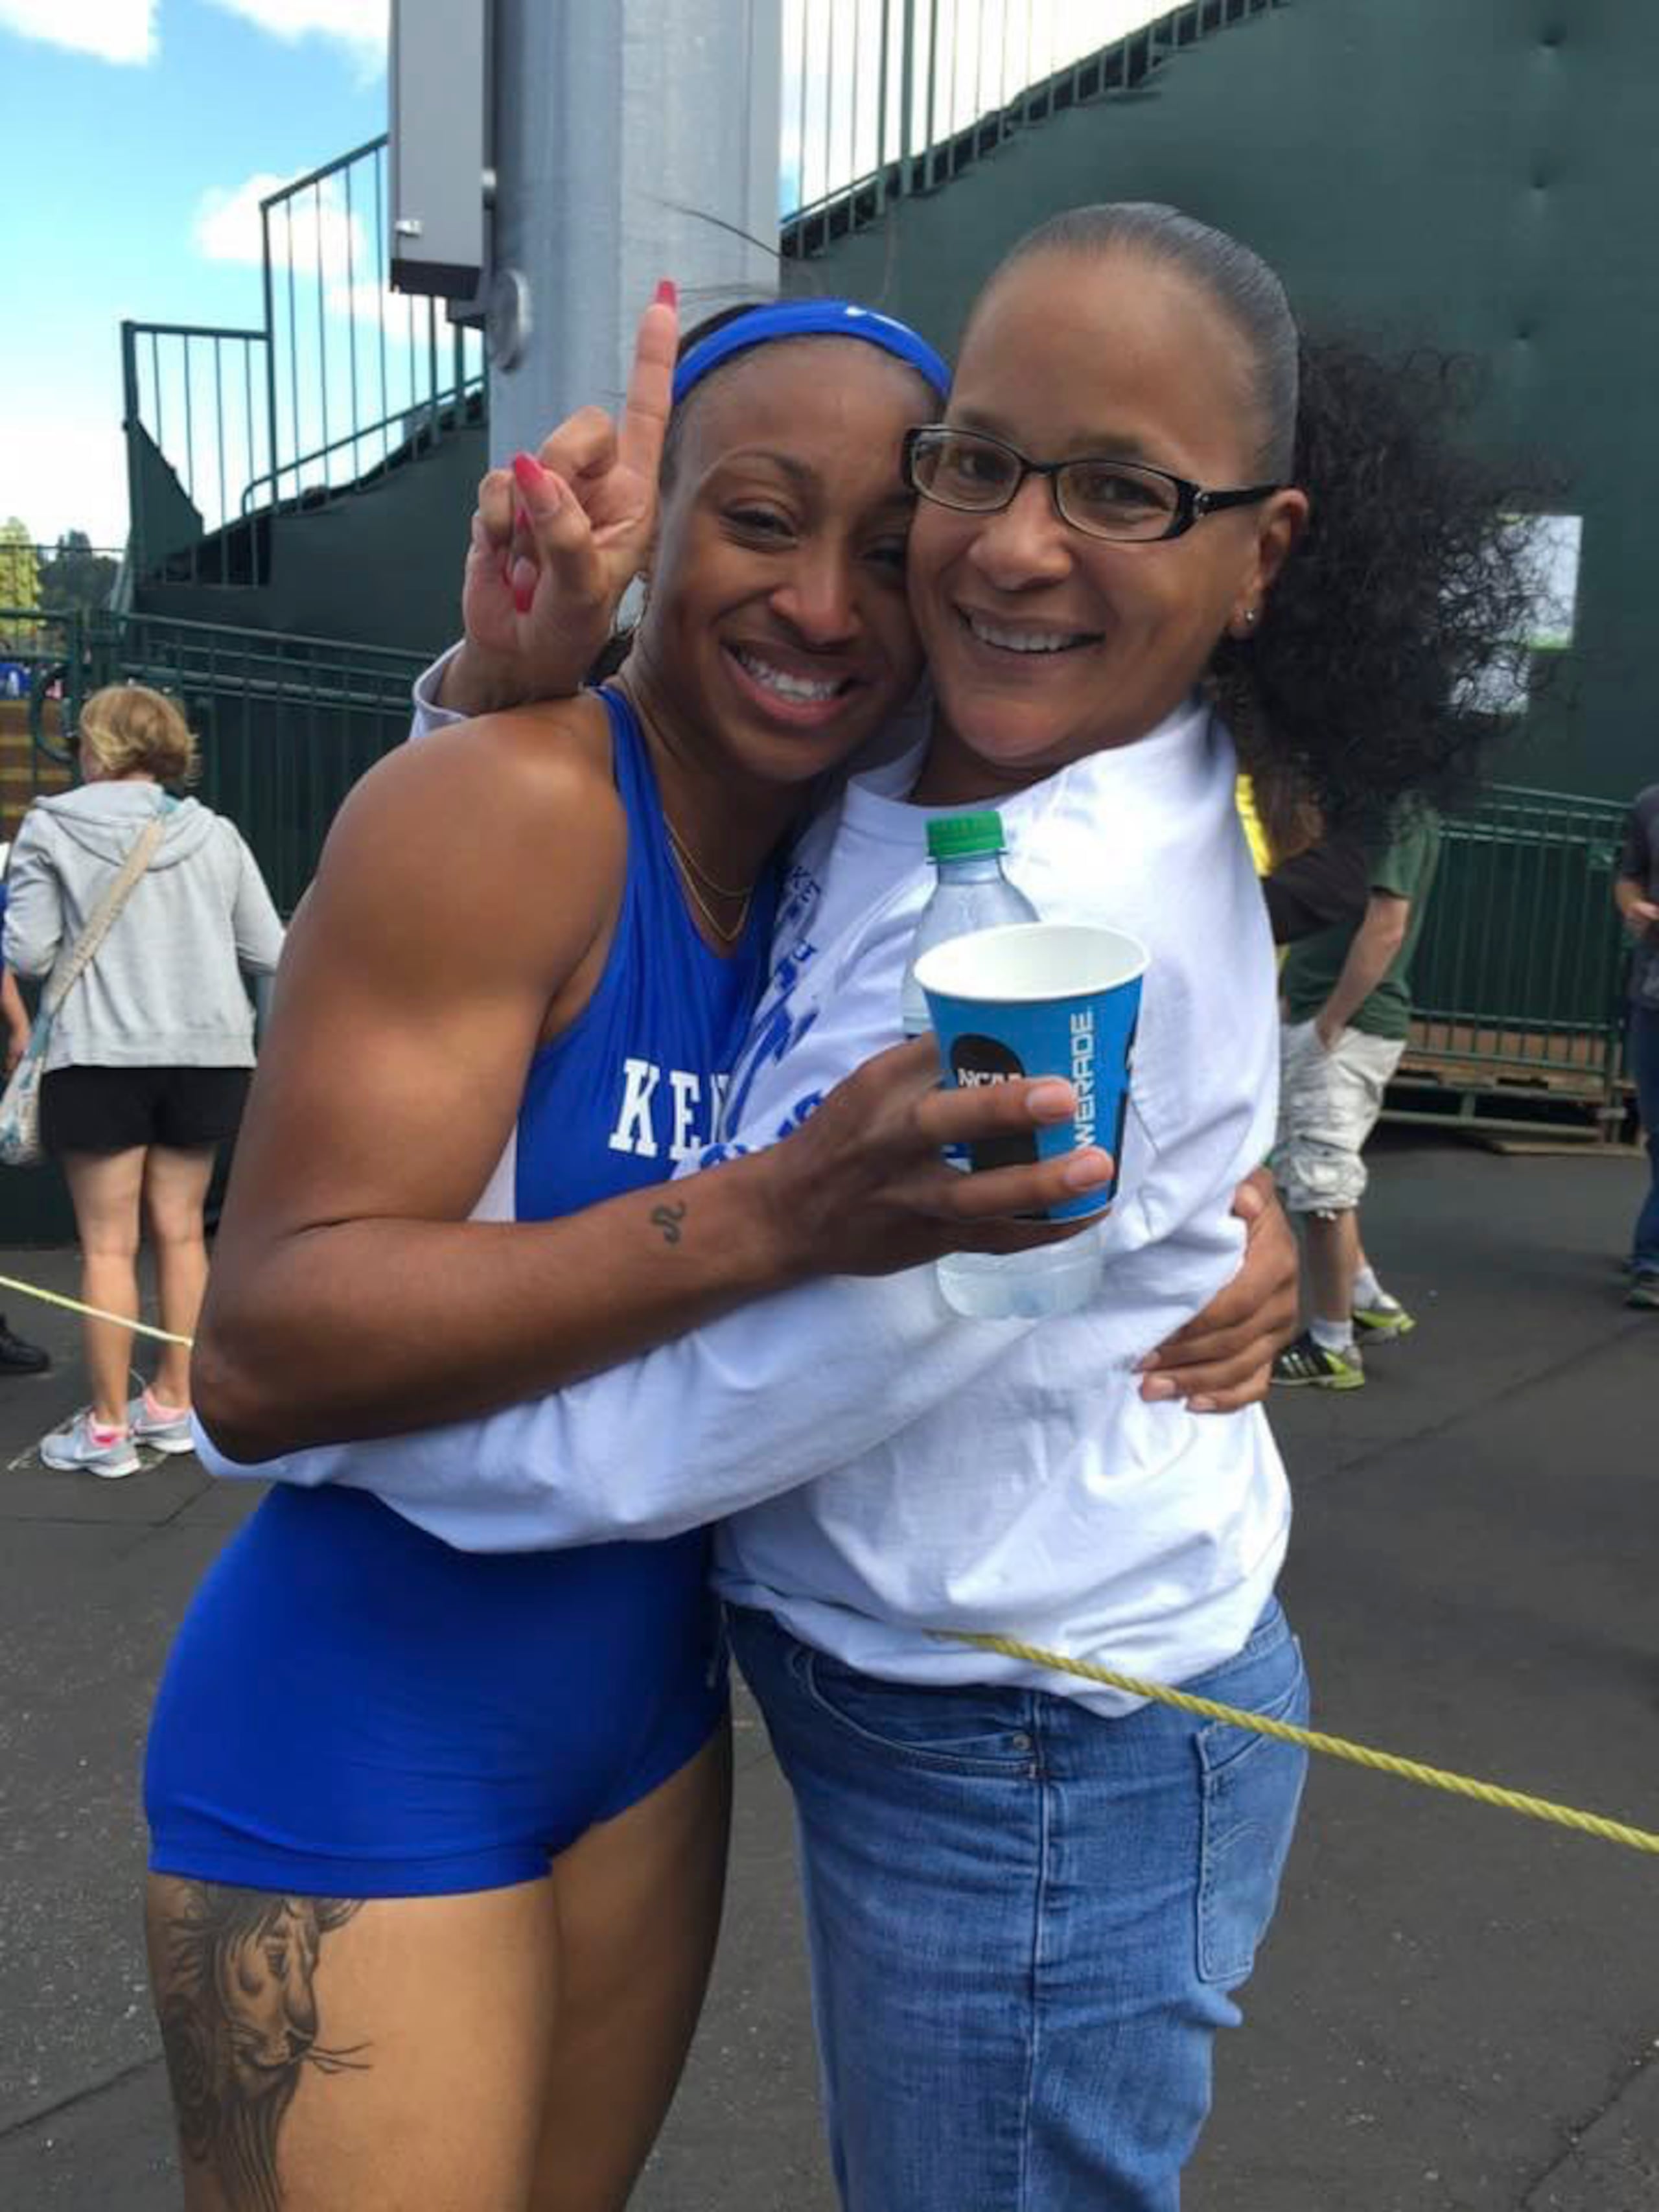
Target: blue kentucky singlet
[
  {"x": 498, "y": 1704},
  {"x": 634, "y": 1084}
]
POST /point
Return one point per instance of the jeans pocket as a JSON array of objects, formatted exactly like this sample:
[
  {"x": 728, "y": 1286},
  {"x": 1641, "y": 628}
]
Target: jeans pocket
[
  {"x": 1252, "y": 1786},
  {"x": 971, "y": 1730}
]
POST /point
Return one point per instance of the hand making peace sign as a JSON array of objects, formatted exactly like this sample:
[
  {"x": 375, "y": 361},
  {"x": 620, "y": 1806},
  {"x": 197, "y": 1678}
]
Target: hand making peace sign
[{"x": 557, "y": 538}]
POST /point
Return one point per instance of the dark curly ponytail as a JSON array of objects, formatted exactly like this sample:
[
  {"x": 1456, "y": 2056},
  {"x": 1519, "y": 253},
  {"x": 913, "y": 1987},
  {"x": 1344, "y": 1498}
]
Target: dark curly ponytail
[{"x": 1407, "y": 601}]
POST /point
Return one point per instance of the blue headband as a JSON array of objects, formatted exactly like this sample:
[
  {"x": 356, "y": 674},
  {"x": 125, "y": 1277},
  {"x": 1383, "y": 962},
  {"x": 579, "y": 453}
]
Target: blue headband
[{"x": 809, "y": 319}]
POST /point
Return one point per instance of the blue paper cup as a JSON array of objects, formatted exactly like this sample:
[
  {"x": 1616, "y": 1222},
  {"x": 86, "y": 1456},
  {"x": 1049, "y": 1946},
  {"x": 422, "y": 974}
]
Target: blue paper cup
[{"x": 1042, "y": 998}]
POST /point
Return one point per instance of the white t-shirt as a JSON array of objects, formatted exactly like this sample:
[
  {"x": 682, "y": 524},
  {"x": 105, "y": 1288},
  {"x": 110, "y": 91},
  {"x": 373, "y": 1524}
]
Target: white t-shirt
[{"x": 883, "y": 1469}]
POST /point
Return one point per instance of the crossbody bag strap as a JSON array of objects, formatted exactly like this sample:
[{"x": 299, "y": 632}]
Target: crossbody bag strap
[{"x": 143, "y": 851}]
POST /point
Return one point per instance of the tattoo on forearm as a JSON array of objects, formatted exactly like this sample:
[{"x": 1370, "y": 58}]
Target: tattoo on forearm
[
  {"x": 237, "y": 2001},
  {"x": 668, "y": 1219}
]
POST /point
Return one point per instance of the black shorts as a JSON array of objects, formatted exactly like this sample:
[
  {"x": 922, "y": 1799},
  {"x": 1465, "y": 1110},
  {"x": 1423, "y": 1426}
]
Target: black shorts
[{"x": 116, "y": 1109}]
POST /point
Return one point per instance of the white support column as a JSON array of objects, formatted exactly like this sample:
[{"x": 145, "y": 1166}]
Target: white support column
[{"x": 634, "y": 140}]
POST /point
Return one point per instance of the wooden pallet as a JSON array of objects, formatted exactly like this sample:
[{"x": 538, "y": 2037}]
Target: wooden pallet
[
  {"x": 1511, "y": 1084},
  {"x": 20, "y": 781}
]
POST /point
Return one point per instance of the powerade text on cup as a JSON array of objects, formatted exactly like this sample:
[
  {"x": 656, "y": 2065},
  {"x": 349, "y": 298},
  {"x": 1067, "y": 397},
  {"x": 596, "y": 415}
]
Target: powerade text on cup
[{"x": 1039, "y": 998}]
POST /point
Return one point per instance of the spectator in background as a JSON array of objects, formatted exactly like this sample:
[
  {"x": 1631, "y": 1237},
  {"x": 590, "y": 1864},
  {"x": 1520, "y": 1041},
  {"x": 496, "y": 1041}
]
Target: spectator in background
[
  {"x": 1636, "y": 894},
  {"x": 1347, "y": 1012},
  {"x": 1313, "y": 877},
  {"x": 16, "y": 1357},
  {"x": 147, "y": 1063}
]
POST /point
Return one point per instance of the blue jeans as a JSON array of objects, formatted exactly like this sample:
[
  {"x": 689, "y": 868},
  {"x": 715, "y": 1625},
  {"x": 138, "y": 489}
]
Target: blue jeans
[
  {"x": 1025, "y": 1921},
  {"x": 1643, "y": 1052}
]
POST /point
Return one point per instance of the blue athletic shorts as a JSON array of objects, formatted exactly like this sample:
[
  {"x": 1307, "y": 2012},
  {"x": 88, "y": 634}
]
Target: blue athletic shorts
[{"x": 354, "y": 1708}]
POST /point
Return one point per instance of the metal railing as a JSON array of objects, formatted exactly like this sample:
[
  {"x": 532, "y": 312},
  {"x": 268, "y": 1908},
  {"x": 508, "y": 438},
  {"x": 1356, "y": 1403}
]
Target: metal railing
[
  {"x": 883, "y": 98},
  {"x": 356, "y": 371},
  {"x": 286, "y": 725},
  {"x": 195, "y": 410},
  {"x": 345, "y": 375},
  {"x": 1517, "y": 980}
]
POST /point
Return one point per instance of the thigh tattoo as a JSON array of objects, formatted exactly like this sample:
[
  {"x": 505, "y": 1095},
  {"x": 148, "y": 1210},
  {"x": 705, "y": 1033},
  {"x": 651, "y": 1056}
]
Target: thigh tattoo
[{"x": 237, "y": 1999}]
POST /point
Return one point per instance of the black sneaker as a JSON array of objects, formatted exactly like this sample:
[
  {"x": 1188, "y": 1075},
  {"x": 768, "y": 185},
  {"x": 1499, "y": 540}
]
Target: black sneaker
[
  {"x": 1306, "y": 1364},
  {"x": 17, "y": 1358}
]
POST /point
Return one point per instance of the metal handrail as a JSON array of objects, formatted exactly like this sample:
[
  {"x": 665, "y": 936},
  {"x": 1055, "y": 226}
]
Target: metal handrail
[
  {"x": 245, "y": 636},
  {"x": 473, "y": 385},
  {"x": 191, "y": 330},
  {"x": 297, "y": 185},
  {"x": 423, "y": 370}
]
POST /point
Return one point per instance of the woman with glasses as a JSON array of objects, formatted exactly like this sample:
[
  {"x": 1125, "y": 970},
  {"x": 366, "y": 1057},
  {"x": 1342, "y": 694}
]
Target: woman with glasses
[{"x": 1030, "y": 1901}]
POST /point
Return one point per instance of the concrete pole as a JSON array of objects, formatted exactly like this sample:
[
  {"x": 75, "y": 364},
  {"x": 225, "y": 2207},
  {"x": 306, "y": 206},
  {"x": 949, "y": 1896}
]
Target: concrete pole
[{"x": 634, "y": 140}]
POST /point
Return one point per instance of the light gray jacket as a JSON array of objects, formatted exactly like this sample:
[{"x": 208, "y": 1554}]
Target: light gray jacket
[{"x": 165, "y": 989}]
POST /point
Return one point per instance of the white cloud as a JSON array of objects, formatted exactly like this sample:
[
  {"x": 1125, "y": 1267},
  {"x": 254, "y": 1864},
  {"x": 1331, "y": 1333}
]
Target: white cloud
[
  {"x": 114, "y": 30},
  {"x": 369, "y": 302},
  {"x": 317, "y": 230},
  {"x": 358, "y": 25}
]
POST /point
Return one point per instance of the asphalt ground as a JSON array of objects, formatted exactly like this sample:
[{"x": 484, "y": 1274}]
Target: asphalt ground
[{"x": 1458, "y": 2010}]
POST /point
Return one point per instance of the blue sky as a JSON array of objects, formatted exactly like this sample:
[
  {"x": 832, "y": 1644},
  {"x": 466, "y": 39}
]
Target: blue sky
[{"x": 113, "y": 166}]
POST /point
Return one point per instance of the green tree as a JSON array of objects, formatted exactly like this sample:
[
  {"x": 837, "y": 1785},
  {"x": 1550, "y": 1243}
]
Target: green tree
[
  {"x": 19, "y": 585},
  {"x": 73, "y": 575}
]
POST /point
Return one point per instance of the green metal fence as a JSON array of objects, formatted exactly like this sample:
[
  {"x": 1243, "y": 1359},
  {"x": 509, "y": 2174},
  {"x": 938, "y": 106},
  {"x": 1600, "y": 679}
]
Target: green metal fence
[
  {"x": 358, "y": 373},
  {"x": 286, "y": 725},
  {"x": 195, "y": 410},
  {"x": 1517, "y": 981}
]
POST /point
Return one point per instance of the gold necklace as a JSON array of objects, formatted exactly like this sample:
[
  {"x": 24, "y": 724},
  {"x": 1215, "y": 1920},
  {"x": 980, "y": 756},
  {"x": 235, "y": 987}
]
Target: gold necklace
[
  {"x": 690, "y": 872},
  {"x": 720, "y": 891}
]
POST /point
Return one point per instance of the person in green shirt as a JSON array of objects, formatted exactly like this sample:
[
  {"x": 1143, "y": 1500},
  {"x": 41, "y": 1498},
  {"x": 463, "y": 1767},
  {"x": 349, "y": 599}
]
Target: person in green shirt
[{"x": 1347, "y": 1011}]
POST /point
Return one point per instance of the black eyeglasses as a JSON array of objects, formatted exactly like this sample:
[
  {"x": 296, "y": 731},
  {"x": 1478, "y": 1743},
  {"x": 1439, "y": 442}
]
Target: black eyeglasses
[{"x": 1121, "y": 500}]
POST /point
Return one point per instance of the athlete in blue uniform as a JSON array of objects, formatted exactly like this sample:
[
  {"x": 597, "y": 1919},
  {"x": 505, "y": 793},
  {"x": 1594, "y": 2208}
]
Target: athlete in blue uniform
[
  {"x": 438, "y": 1838},
  {"x": 612, "y": 1650}
]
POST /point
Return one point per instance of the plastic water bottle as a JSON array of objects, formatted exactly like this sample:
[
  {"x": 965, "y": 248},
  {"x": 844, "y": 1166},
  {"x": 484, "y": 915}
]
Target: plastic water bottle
[{"x": 973, "y": 893}]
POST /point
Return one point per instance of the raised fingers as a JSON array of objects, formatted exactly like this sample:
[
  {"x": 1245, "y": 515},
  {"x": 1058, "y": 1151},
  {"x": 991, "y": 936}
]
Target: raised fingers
[{"x": 650, "y": 395}]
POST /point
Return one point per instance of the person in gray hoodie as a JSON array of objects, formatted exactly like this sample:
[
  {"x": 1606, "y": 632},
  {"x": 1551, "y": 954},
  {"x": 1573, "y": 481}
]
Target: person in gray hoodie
[{"x": 147, "y": 1067}]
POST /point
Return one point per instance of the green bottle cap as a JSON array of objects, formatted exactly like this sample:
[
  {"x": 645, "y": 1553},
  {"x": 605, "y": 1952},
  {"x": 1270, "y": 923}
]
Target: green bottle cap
[{"x": 959, "y": 836}]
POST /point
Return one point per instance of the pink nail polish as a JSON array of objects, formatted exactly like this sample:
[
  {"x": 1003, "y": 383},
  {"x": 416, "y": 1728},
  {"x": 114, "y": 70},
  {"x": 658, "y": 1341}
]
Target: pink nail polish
[
  {"x": 527, "y": 472},
  {"x": 522, "y": 517},
  {"x": 666, "y": 293}
]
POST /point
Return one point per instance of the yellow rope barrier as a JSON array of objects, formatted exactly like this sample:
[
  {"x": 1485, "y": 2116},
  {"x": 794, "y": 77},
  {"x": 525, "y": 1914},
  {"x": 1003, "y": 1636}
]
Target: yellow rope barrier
[
  {"x": 1057, "y": 1663},
  {"x": 1333, "y": 1747},
  {"x": 94, "y": 1313}
]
